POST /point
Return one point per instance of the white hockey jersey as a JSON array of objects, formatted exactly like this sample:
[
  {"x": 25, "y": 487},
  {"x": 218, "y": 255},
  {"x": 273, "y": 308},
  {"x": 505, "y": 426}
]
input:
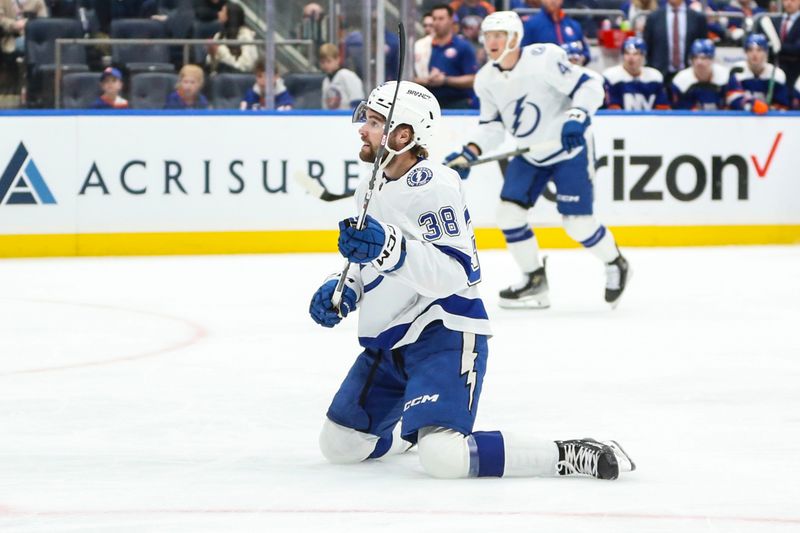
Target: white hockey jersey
[
  {"x": 438, "y": 279},
  {"x": 531, "y": 101},
  {"x": 343, "y": 90}
]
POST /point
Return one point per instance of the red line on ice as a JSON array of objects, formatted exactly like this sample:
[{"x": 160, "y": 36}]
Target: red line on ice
[
  {"x": 8, "y": 512},
  {"x": 198, "y": 333}
]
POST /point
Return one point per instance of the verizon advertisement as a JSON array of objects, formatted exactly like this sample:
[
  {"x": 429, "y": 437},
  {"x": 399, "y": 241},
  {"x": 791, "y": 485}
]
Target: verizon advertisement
[{"x": 76, "y": 174}]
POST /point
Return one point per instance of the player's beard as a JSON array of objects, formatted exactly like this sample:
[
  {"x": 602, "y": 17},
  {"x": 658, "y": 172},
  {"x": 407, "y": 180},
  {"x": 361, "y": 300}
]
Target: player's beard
[{"x": 368, "y": 153}]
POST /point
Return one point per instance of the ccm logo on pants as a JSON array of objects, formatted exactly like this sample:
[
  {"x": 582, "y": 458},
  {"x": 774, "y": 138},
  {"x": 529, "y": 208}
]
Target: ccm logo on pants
[{"x": 420, "y": 399}]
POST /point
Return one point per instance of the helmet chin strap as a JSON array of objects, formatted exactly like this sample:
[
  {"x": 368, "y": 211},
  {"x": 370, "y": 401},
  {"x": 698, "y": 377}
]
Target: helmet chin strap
[
  {"x": 507, "y": 51},
  {"x": 391, "y": 152}
]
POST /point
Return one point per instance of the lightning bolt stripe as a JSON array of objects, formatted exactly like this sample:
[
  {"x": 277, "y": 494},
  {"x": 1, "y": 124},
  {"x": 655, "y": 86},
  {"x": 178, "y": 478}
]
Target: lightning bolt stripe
[{"x": 468, "y": 356}]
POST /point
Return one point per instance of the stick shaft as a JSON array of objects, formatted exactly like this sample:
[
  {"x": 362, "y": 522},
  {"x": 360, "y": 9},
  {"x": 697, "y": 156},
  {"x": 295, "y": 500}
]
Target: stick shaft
[{"x": 336, "y": 299}]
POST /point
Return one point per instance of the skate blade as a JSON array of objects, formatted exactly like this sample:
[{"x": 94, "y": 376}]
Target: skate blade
[
  {"x": 531, "y": 302},
  {"x": 615, "y": 303},
  {"x": 624, "y": 460}
]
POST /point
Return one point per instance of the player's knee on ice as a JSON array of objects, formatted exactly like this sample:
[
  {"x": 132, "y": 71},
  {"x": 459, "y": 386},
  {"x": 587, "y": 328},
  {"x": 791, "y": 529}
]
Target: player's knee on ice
[
  {"x": 341, "y": 445},
  {"x": 510, "y": 215},
  {"x": 444, "y": 453}
]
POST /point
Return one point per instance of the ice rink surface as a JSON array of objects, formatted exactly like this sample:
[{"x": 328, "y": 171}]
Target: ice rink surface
[{"x": 185, "y": 394}]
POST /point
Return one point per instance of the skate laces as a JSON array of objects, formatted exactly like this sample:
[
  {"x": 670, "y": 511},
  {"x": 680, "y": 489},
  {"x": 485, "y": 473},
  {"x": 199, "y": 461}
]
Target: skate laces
[
  {"x": 579, "y": 459},
  {"x": 613, "y": 275}
]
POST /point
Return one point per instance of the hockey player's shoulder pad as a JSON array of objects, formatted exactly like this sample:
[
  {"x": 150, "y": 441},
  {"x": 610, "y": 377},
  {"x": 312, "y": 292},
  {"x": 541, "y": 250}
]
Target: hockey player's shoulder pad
[
  {"x": 616, "y": 74},
  {"x": 684, "y": 79},
  {"x": 651, "y": 75},
  {"x": 780, "y": 75},
  {"x": 721, "y": 74}
]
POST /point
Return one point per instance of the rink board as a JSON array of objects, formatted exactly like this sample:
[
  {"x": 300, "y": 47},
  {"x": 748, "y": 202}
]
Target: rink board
[{"x": 168, "y": 183}]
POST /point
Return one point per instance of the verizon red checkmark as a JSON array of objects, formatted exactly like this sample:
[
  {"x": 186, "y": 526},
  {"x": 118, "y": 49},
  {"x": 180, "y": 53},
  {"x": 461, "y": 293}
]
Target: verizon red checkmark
[{"x": 762, "y": 171}]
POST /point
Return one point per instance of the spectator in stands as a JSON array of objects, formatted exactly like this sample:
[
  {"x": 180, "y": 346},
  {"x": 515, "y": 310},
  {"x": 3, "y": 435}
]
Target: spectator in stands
[
  {"x": 207, "y": 10},
  {"x": 452, "y": 66},
  {"x": 254, "y": 98},
  {"x": 14, "y": 15},
  {"x": 466, "y": 8},
  {"x": 234, "y": 58},
  {"x": 427, "y": 23},
  {"x": 108, "y": 10},
  {"x": 110, "y": 87},
  {"x": 354, "y": 47},
  {"x": 702, "y": 86},
  {"x": 551, "y": 25},
  {"x": 62, "y": 8},
  {"x": 632, "y": 86},
  {"x": 789, "y": 32},
  {"x": 471, "y": 31},
  {"x": 750, "y": 79},
  {"x": 422, "y": 48},
  {"x": 669, "y": 33},
  {"x": 636, "y": 13},
  {"x": 341, "y": 88},
  {"x": 313, "y": 25},
  {"x": 588, "y": 23},
  {"x": 747, "y": 8},
  {"x": 187, "y": 93}
]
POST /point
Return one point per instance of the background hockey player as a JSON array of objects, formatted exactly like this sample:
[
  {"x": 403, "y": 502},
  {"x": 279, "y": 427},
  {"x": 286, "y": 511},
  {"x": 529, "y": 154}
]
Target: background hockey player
[
  {"x": 632, "y": 86},
  {"x": 575, "y": 52},
  {"x": 702, "y": 86},
  {"x": 750, "y": 79},
  {"x": 423, "y": 326},
  {"x": 546, "y": 104}
]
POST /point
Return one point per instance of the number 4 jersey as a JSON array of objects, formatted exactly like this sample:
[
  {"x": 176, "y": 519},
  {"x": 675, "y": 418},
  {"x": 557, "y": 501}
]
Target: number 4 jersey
[{"x": 437, "y": 280}]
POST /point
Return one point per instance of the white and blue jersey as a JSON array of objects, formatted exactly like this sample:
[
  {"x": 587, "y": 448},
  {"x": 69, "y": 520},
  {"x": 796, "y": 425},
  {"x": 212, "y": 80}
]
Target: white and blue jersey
[
  {"x": 744, "y": 86},
  {"x": 796, "y": 95},
  {"x": 437, "y": 280},
  {"x": 690, "y": 93},
  {"x": 635, "y": 93},
  {"x": 531, "y": 101}
]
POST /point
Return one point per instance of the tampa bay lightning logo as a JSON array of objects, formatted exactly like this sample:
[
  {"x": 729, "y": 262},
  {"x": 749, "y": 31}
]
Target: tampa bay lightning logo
[
  {"x": 526, "y": 116},
  {"x": 419, "y": 176}
]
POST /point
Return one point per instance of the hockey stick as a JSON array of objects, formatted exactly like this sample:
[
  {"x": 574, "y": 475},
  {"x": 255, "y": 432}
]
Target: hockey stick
[
  {"x": 498, "y": 157},
  {"x": 505, "y": 155},
  {"x": 336, "y": 299},
  {"x": 774, "y": 43},
  {"x": 317, "y": 189}
]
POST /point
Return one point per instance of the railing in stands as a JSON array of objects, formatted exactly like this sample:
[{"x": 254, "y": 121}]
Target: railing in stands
[{"x": 185, "y": 43}]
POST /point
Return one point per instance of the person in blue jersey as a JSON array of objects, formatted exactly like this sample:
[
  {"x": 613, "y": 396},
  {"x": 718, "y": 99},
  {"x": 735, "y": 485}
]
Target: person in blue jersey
[
  {"x": 413, "y": 276},
  {"x": 748, "y": 86},
  {"x": 551, "y": 25},
  {"x": 534, "y": 95},
  {"x": 796, "y": 95},
  {"x": 254, "y": 97},
  {"x": 632, "y": 86},
  {"x": 452, "y": 65},
  {"x": 471, "y": 8},
  {"x": 187, "y": 93},
  {"x": 110, "y": 89},
  {"x": 702, "y": 86}
]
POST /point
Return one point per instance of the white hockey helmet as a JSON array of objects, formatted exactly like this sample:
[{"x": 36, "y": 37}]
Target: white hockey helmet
[
  {"x": 507, "y": 21},
  {"x": 415, "y": 106}
]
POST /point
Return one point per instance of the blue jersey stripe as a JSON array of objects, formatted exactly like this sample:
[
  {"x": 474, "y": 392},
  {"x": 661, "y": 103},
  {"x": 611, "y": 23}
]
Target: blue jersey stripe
[
  {"x": 372, "y": 284},
  {"x": 453, "y": 304}
]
